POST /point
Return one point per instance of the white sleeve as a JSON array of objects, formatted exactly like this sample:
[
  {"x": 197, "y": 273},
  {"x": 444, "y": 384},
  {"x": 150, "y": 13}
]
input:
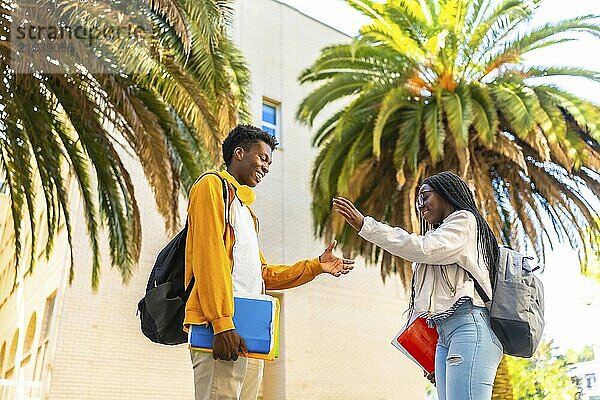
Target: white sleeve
[{"x": 442, "y": 246}]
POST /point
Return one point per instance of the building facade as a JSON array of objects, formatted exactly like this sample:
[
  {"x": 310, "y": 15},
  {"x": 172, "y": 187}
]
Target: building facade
[
  {"x": 586, "y": 376},
  {"x": 61, "y": 341}
]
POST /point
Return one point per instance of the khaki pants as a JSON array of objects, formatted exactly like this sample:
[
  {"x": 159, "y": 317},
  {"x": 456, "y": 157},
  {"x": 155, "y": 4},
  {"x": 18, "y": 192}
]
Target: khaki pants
[{"x": 226, "y": 380}]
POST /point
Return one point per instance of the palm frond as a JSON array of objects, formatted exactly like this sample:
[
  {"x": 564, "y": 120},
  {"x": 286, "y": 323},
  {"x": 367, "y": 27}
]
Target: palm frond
[
  {"x": 485, "y": 116},
  {"x": 342, "y": 86},
  {"x": 544, "y": 36},
  {"x": 167, "y": 98},
  {"x": 408, "y": 143},
  {"x": 435, "y": 134},
  {"x": 396, "y": 98},
  {"x": 175, "y": 17},
  {"x": 458, "y": 113}
]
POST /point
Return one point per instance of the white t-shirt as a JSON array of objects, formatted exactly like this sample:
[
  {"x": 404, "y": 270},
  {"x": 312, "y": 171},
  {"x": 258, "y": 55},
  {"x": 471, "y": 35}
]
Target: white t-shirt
[{"x": 247, "y": 275}]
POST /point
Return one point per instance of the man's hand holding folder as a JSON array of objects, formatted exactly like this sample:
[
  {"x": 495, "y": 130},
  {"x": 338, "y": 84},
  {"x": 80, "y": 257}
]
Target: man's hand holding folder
[{"x": 228, "y": 346}]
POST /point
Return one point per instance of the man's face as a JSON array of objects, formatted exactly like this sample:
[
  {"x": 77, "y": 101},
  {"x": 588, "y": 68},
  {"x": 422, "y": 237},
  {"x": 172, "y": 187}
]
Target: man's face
[{"x": 254, "y": 163}]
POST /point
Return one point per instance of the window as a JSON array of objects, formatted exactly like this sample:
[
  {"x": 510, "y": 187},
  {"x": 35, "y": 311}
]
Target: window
[
  {"x": 590, "y": 380},
  {"x": 7, "y": 268},
  {"x": 270, "y": 119},
  {"x": 44, "y": 337},
  {"x": 48, "y": 311},
  {"x": 30, "y": 333},
  {"x": 3, "y": 184},
  {"x": 27, "y": 353},
  {"x": 10, "y": 371},
  {"x": 2, "y": 352}
]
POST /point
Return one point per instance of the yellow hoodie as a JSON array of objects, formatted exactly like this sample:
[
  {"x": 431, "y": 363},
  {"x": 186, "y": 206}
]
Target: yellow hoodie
[{"x": 209, "y": 256}]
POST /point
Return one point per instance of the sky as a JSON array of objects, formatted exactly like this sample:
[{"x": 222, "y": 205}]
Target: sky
[{"x": 572, "y": 301}]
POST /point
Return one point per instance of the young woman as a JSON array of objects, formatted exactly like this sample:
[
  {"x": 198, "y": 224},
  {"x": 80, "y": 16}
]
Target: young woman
[{"x": 459, "y": 246}]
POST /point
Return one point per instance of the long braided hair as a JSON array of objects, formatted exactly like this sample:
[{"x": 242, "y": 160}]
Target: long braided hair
[{"x": 457, "y": 193}]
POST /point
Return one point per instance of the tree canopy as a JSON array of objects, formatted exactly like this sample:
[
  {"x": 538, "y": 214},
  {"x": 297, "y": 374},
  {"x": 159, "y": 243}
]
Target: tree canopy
[{"x": 438, "y": 85}]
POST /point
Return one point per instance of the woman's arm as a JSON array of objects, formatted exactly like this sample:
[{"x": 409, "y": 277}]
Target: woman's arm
[{"x": 442, "y": 246}]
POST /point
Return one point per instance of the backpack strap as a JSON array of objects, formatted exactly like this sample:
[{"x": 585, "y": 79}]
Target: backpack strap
[
  {"x": 502, "y": 262},
  {"x": 188, "y": 290},
  {"x": 478, "y": 288},
  {"x": 225, "y": 197}
]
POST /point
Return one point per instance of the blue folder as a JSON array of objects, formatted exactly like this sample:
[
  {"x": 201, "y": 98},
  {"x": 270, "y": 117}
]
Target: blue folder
[{"x": 254, "y": 320}]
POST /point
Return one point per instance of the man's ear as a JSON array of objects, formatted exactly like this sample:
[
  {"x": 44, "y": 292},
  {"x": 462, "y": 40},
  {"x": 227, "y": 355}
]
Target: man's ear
[{"x": 238, "y": 153}]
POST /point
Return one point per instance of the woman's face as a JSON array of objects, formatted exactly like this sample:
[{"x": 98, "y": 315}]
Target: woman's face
[{"x": 432, "y": 207}]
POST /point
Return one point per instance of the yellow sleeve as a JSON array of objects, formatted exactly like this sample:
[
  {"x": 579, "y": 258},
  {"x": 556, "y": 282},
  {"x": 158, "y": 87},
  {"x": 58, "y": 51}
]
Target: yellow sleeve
[
  {"x": 289, "y": 276},
  {"x": 210, "y": 261}
]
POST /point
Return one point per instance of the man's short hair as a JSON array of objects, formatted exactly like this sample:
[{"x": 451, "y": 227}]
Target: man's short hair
[{"x": 245, "y": 136}]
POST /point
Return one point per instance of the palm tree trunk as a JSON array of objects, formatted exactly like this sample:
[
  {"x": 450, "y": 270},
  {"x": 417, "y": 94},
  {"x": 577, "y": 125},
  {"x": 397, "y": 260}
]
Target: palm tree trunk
[{"x": 502, "y": 386}]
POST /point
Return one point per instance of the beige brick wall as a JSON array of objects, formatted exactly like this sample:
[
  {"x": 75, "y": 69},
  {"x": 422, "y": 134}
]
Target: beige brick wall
[
  {"x": 26, "y": 324},
  {"x": 101, "y": 352}
]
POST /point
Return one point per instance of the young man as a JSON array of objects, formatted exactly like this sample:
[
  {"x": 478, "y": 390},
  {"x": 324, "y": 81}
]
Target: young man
[{"x": 225, "y": 258}]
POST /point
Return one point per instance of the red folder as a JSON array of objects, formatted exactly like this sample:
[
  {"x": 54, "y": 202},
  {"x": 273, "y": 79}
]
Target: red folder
[{"x": 418, "y": 341}]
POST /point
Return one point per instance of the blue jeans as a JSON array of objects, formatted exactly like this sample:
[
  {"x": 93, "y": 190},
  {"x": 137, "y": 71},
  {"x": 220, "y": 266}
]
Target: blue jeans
[{"x": 467, "y": 355}]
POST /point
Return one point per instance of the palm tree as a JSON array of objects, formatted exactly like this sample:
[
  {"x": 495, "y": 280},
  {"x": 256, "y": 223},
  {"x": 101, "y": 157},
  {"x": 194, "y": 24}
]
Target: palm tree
[
  {"x": 433, "y": 85},
  {"x": 165, "y": 89},
  {"x": 591, "y": 265},
  {"x": 503, "y": 389}
]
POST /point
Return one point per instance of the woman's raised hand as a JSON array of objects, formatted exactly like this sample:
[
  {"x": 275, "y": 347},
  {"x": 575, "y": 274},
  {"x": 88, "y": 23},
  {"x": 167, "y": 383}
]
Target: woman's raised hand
[{"x": 348, "y": 211}]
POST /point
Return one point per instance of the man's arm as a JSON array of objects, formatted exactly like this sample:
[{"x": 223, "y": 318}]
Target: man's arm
[
  {"x": 288, "y": 276},
  {"x": 210, "y": 261}
]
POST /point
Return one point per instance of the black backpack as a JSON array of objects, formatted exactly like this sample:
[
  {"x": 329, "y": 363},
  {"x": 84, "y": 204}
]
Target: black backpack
[{"x": 162, "y": 309}]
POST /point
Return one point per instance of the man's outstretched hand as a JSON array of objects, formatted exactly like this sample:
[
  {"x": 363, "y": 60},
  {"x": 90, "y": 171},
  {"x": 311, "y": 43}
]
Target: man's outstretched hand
[
  {"x": 334, "y": 265},
  {"x": 228, "y": 345}
]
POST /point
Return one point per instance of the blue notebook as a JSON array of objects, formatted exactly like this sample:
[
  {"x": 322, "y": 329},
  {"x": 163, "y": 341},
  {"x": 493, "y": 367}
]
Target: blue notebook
[{"x": 254, "y": 320}]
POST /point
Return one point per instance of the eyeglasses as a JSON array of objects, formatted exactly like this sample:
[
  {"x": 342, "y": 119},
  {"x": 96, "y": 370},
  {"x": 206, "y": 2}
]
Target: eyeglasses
[{"x": 420, "y": 199}]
